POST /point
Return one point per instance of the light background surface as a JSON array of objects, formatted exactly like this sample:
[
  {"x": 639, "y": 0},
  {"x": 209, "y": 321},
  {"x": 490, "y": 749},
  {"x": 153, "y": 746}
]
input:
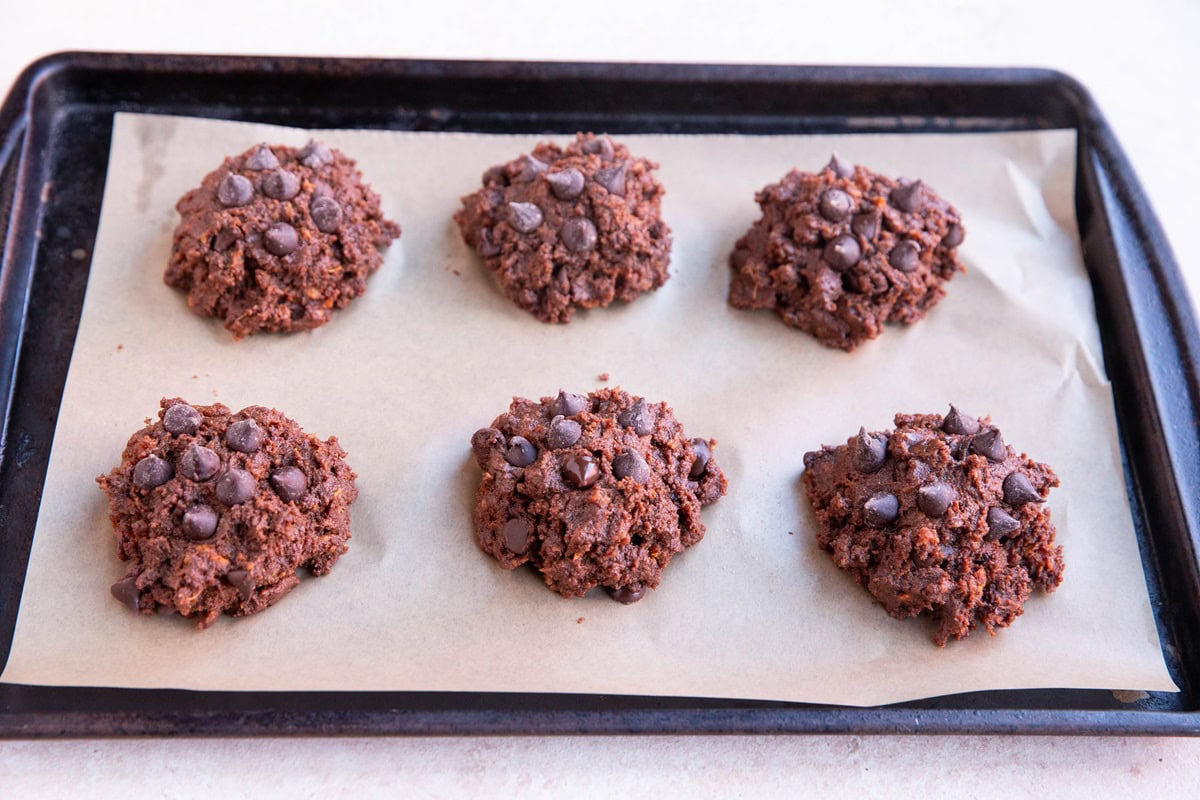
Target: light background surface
[{"x": 1139, "y": 62}]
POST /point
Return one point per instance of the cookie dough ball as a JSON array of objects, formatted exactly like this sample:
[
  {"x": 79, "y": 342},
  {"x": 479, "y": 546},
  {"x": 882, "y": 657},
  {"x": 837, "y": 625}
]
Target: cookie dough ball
[
  {"x": 938, "y": 516},
  {"x": 840, "y": 252},
  {"x": 566, "y": 228},
  {"x": 277, "y": 238},
  {"x": 215, "y": 512},
  {"x": 595, "y": 490}
]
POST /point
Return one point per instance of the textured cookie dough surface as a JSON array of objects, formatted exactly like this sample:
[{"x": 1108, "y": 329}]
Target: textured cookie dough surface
[
  {"x": 567, "y": 228},
  {"x": 595, "y": 490},
  {"x": 938, "y": 516},
  {"x": 841, "y": 252},
  {"x": 277, "y": 238},
  {"x": 215, "y": 512}
]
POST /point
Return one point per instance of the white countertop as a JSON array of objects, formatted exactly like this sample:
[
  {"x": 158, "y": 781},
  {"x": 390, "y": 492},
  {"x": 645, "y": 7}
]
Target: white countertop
[{"x": 1141, "y": 64}]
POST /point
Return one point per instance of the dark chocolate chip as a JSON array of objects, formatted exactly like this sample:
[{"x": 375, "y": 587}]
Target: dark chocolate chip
[
  {"x": 199, "y": 463},
  {"x": 486, "y": 246},
  {"x": 244, "y": 436},
  {"x": 289, "y": 483},
  {"x": 905, "y": 256},
  {"x": 516, "y": 536},
  {"x": 520, "y": 452},
  {"x": 600, "y": 145},
  {"x": 235, "y": 486},
  {"x": 868, "y": 452},
  {"x": 280, "y": 185},
  {"x": 703, "y": 454},
  {"x": 1018, "y": 490},
  {"x": 580, "y": 470},
  {"x": 530, "y": 168},
  {"x": 326, "y": 214},
  {"x": 637, "y": 417},
  {"x": 494, "y": 175},
  {"x": 627, "y": 595},
  {"x": 612, "y": 179},
  {"x": 525, "y": 217},
  {"x": 954, "y": 237},
  {"x": 840, "y": 167},
  {"x": 241, "y": 580},
  {"x": 315, "y": 154},
  {"x": 568, "y": 404},
  {"x": 127, "y": 592},
  {"x": 234, "y": 190},
  {"x": 281, "y": 239},
  {"x": 842, "y": 252},
  {"x": 909, "y": 197},
  {"x": 321, "y": 189},
  {"x": 199, "y": 522},
  {"x": 836, "y": 205},
  {"x": 630, "y": 464},
  {"x": 567, "y": 184},
  {"x": 152, "y": 471},
  {"x": 563, "y": 433},
  {"x": 578, "y": 234},
  {"x": 1000, "y": 523},
  {"x": 935, "y": 498},
  {"x": 990, "y": 445},
  {"x": 181, "y": 418},
  {"x": 262, "y": 158},
  {"x": 958, "y": 423},
  {"x": 225, "y": 239},
  {"x": 881, "y": 509},
  {"x": 866, "y": 225}
]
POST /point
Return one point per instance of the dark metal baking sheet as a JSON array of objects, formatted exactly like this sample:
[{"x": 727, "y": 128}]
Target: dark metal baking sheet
[{"x": 55, "y": 130}]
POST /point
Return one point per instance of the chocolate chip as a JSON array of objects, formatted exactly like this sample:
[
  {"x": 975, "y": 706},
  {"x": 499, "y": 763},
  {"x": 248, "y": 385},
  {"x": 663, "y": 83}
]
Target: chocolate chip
[
  {"x": 225, "y": 239},
  {"x": 567, "y": 184},
  {"x": 563, "y": 433},
  {"x": 1018, "y": 490},
  {"x": 989, "y": 445},
  {"x": 628, "y": 594},
  {"x": 935, "y": 498},
  {"x": 835, "y": 205},
  {"x": 235, "y": 486},
  {"x": 612, "y": 179},
  {"x": 954, "y": 237},
  {"x": 530, "y": 168},
  {"x": 151, "y": 471},
  {"x": 289, "y": 483},
  {"x": 868, "y": 452},
  {"x": 262, "y": 158},
  {"x": 1000, "y": 523},
  {"x": 486, "y": 246},
  {"x": 321, "y": 189},
  {"x": 494, "y": 175},
  {"x": 578, "y": 234},
  {"x": 516, "y": 536},
  {"x": 881, "y": 509},
  {"x": 281, "y": 239},
  {"x": 600, "y": 145},
  {"x": 580, "y": 470},
  {"x": 199, "y": 463},
  {"x": 840, "y": 167},
  {"x": 520, "y": 452},
  {"x": 905, "y": 256},
  {"x": 199, "y": 522},
  {"x": 525, "y": 217},
  {"x": 866, "y": 225},
  {"x": 315, "y": 154},
  {"x": 280, "y": 185},
  {"x": 637, "y": 417},
  {"x": 703, "y": 454},
  {"x": 127, "y": 592},
  {"x": 909, "y": 197},
  {"x": 568, "y": 404},
  {"x": 244, "y": 436},
  {"x": 631, "y": 465},
  {"x": 326, "y": 214},
  {"x": 958, "y": 423},
  {"x": 181, "y": 418},
  {"x": 234, "y": 190},
  {"x": 241, "y": 580},
  {"x": 842, "y": 252}
]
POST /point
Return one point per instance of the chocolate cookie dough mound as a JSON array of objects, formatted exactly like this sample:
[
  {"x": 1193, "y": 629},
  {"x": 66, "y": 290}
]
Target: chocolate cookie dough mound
[
  {"x": 570, "y": 227},
  {"x": 277, "y": 238},
  {"x": 596, "y": 490},
  {"x": 938, "y": 516},
  {"x": 216, "y": 511},
  {"x": 841, "y": 252}
]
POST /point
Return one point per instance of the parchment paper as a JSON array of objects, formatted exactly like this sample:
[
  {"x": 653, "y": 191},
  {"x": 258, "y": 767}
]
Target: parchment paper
[{"x": 434, "y": 351}]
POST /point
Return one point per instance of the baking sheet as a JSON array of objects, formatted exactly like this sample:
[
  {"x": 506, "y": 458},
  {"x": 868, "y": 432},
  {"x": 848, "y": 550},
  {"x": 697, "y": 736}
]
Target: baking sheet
[{"x": 434, "y": 351}]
